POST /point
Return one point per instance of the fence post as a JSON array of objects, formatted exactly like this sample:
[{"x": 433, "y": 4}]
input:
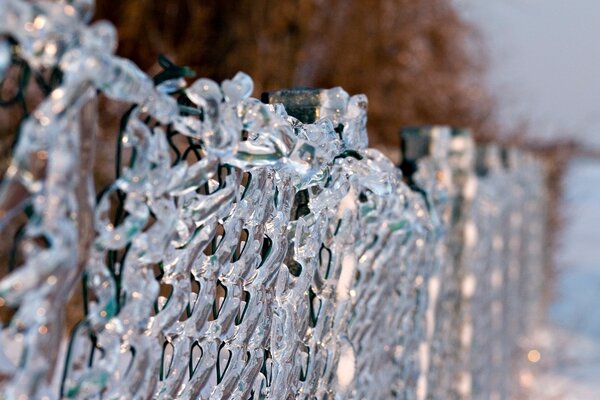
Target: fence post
[
  {"x": 303, "y": 104},
  {"x": 425, "y": 154}
]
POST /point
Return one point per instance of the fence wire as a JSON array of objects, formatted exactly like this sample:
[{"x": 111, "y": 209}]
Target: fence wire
[{"x": 239, "y": 252}]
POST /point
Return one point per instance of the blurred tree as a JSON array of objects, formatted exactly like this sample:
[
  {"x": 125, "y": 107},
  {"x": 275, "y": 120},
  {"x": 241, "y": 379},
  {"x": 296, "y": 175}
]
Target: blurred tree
[{"x": 418, "y": 61}]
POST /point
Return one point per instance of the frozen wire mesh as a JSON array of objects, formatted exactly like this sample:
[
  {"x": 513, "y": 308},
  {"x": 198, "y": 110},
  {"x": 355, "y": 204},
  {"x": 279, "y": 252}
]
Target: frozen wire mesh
[{"x": 239, "y": 252}]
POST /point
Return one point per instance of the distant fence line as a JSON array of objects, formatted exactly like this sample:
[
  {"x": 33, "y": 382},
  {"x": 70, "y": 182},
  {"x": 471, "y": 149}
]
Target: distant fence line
[{"x": 249, "y": 249}]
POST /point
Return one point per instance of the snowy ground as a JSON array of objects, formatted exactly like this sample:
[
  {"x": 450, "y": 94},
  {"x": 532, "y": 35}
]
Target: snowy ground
[{"x": 569, "y": 344}]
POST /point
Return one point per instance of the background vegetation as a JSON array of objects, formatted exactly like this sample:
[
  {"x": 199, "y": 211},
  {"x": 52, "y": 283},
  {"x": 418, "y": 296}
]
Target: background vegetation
[{"x": 417, "y": 61}]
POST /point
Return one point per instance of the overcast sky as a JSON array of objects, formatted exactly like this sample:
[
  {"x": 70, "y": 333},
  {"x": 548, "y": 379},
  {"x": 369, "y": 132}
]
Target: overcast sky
[{"x": 545, "y": 61}]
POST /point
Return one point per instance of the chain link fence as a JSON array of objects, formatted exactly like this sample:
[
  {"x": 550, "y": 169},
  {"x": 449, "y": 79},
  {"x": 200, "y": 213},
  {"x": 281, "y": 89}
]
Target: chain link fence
[{"x": 246, "y": 249}]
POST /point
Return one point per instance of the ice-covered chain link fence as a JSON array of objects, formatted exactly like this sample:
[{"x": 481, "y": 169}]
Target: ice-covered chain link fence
[{"x": 241, "y": 253}]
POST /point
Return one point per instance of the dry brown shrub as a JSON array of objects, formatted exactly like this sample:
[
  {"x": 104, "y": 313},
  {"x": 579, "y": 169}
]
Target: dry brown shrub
[{"x": 418, "y": 61}]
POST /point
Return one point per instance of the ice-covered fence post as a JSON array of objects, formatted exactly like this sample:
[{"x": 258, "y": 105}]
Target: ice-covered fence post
[
  {"x": 386, "y": 286},
  {"x": 508, "y": 308},
  {"x": 455, "y": 175},
  {"x": 426, "y": 169},
  {"x": 524, "y": 249},
  {"x": 499, "y": 262},
  {"x": 486, "y": 275},
  {"x": 527, "y": 173},
  {"x": 301, "y": 103}
]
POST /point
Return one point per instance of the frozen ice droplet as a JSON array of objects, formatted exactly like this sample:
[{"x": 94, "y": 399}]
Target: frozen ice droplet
[
  {"x": 204, "y": 93},
  {"x": 101, "y": 36},
  {"x": 334, "y": 102},
  {"x": 355, "y": 124},
  {"x": 171, "y": 85},
  {"x": 121, "y": 79},
  {"x": 239, "y": 88}
]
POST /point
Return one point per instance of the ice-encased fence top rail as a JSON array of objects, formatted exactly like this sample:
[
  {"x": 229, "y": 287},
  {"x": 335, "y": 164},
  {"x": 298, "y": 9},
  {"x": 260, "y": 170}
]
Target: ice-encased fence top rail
[{"x": 241, "y": 252}]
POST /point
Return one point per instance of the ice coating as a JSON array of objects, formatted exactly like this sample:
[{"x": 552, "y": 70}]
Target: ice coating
[{"x": 270, "y": 259}]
